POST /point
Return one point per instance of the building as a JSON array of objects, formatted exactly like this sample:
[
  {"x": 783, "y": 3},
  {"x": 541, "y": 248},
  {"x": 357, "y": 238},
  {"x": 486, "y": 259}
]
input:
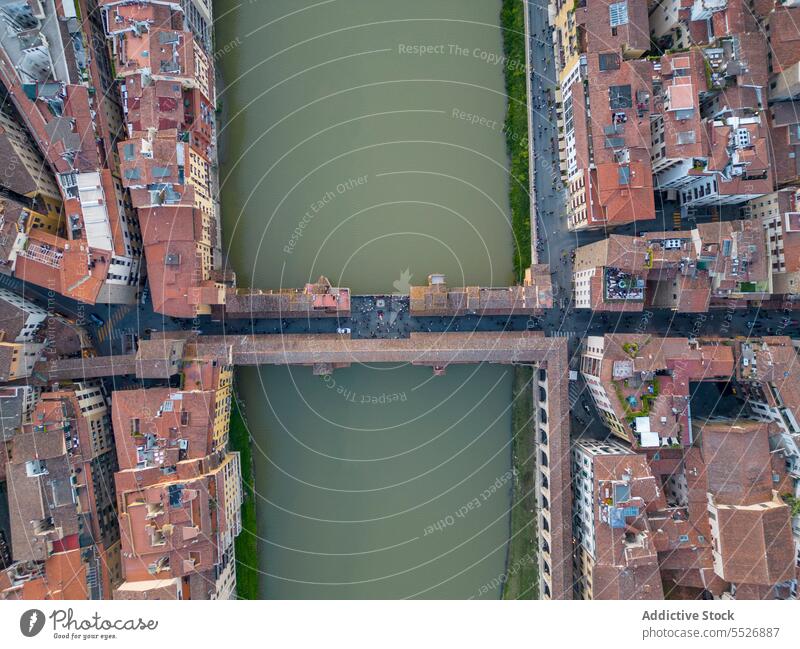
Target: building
[
  {"x": 604, "y": 125},
  {"x": 62, "y": 494},
  {"x": 535, "y": 295},
  {"x": 767, "y": 375},
  {"x": 163, "y": 104},
  {"x": 179, "y": 490},
  {"x": 155, "y": 160},
  {"x": 315, "y": 300},
  {"x": 20, "y": 320},
  {"x": 67, "y": 575},
  {"x": 88, "y": 248},
  {"x": 183, "y": 279},
  {"x": 165, "y": 427},
  {"x": 704, "y": 521},
  {"x": 616, "y": 556},
  {"x": 16, "y": 406},
  {"x": 183, "y": 528},
  {"x": 168, "y": 161},
  {"x": 777, "y": 212},
  {"x": 624, "y": 273},
  {"x": 716, "y": 264},
  {"x": 641, "y": 384},
  {"x": 99, "y": 259},
  {"x": 25, "y": 171},
  {"x": 162, "y": 52},
  {"x": 738, "y": 166},
  {"x": 17, "y": 360},
  {"x": 699, "y": 110},
  {"x": 678, "y": 136},
  {"x": 750, "y": 524},
  {"x": 724, "y": 526}
]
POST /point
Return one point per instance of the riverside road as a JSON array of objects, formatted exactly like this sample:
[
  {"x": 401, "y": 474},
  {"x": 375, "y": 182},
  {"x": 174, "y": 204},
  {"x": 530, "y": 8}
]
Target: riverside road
[{"x": 387, "y": 316}]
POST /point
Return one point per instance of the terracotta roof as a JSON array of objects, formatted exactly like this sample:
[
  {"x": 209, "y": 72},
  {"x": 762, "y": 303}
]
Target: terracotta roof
[
  {"x": 158, "y": 358},
  {"x": 152, "y": 158},
  {"x": 162, "y": 426},
  {"x": 170, "y": 237},
  {"x": 784, "y": 38},
  {"x": 626, "y": 562},
  {"x": 630, "y": 34},
  {"x": 737, "y": 460}
]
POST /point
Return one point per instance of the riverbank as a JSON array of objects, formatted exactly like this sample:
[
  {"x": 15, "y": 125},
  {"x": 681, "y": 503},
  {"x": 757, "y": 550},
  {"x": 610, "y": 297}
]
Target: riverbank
[
  {"x": 522, "y": 579},
  {"x": 247, "y": 541},
  {"x": 512, "y": 19}
]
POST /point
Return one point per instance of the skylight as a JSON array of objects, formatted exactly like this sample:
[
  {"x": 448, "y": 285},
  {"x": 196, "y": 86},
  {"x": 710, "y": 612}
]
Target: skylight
[{"x": 618, "y": 14}]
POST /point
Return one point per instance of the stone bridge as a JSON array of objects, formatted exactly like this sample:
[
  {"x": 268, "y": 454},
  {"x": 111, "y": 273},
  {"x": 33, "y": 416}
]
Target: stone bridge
[{"x": 160, "y": 358}]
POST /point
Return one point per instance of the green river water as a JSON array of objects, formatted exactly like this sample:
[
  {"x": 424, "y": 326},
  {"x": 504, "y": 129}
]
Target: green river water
[{"x": 362, "y": 140}]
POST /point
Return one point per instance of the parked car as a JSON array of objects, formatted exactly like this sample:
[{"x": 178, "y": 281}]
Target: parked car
[
  {"x": 343, "y": 330},
  {"x": 96, "y": 320}
]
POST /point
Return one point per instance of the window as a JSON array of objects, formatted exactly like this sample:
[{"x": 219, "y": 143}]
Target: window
[
  {"x": 620, "y": 97},
  {"x": 618, "y": 14},
  {"x": 609, "y": 62}
]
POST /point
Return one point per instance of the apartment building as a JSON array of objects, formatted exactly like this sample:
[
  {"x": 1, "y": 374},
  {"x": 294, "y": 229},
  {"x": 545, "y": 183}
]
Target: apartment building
[
  {"x": 164, "y": 427},
  {"x": 781, "y": 28},
  {"x": 179, "y": 490},
  {"x": 16, "y": 406},
  {"x": 99, "y": 258},
  {"x": 20, "y": 319},
  {"x": 17, "y": 360},
  {"x": 753, "y": 549},
  {"x": 728, "y": 483},
  {"x": 212, "y": 374},
  {"x": 60, "y": 481},
  {"x": 766, "y": 372},
  {"x": 715, "y": 264},
  {"x": 704, "y": 521},
  {"x": 679, "y": 143},
  {"x": 155, "y": 163},
  {"x": 65, "y": 575},
  {"x": 616, "y": 556},
  {"x": 623, "y": 273},
  {"x": 605, "y": 124},
  {"x": 155, "y": 105},
  {"x": 693, "y": 120},
  {"x": 182, "y": 528},
  {"x": 641, "y": 384},
  {"x": 738, "y": 168},
  {"x": 777, "y": 213},
  {"x": 25, "y": 172},
  {"x": 164, "y": 53},
  {"x": 89, "y": 249},
  {"x": 785, "y": 141},
  {"x": 168, "y": 161},
  {"x": 183, "y": 279}
]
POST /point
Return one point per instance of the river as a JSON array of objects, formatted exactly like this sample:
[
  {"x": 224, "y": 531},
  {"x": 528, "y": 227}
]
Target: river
[
  {"x": 362, "y": 140},
  {"x": 348, "y": 153}
]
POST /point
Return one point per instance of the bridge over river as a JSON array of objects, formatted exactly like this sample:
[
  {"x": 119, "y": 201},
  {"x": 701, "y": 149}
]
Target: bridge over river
[{"x": 160, "y": 358}]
